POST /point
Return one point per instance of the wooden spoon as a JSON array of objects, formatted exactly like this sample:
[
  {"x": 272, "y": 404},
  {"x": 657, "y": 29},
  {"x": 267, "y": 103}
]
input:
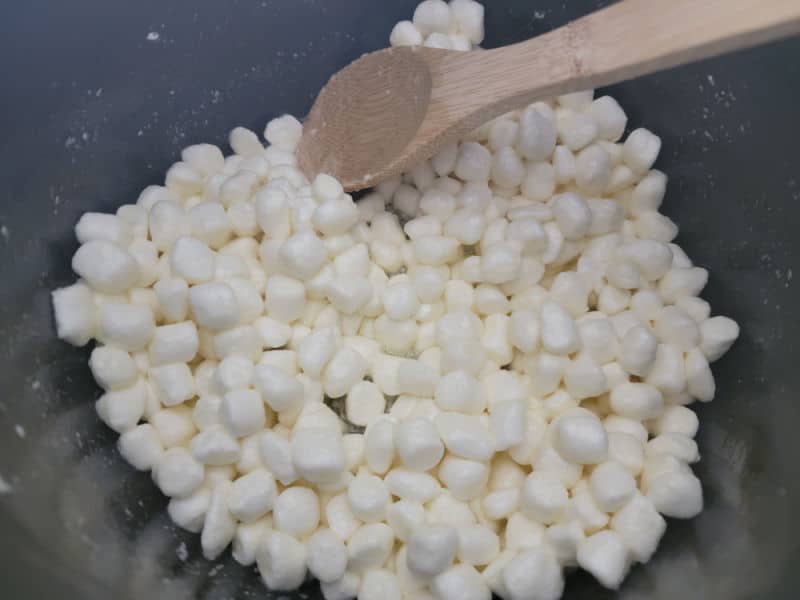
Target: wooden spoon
[{"x": 390, "y": 109}]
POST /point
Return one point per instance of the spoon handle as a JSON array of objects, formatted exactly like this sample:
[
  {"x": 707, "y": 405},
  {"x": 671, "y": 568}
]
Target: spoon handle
[{"x": 625, "y": 40}]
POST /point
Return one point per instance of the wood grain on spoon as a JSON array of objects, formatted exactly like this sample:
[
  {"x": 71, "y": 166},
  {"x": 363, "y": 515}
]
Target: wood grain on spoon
[{"x": 388, "y": 110}]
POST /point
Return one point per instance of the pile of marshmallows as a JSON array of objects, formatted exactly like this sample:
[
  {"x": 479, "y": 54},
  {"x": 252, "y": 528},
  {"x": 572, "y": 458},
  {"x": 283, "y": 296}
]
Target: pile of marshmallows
[{"x": 509, "y": 322}]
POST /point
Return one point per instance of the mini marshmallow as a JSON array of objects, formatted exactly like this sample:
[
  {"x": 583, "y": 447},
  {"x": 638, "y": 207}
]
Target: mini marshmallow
[
  {"x": 418, "y": 444},
  {"x": 592, "y": 172},
  {"x": 277, "y": 456},
  {"x": 507, "y": 423},
  {"x": 316, "y": 351},
  {"x": 215, "y": 447},
  {"x": 318, "y": 454},
  {"x": 346, "y": 368},
  {"x": 106, "y": 267},
  {"x": 379, "y": 445},
  {"x": 369, "y": 546},
  {"x": 580, "y": 439},
  {"x": 127, "y": 326},
  {"x": 74, "y": 314},
  {"x": 458, "y": 391},
  {"x": 638, "y": 350},
  {"x": 544, "y": 497},
  {"x": 537, "y": 135},
  {"x": 247, "y": 540},
  {"x": 431, "y": 550},
  {"x": 173, "y": 383},
  {"x": 233, "y": 373},
  {"x": 640, "y": 527},
  {"x": 535, "y": 573},
  {"x": 281, "y": 561},
  {"x": 500, "y": 263},
  {"x": 339, "y": 517},
  {"x": 219, "y": 526},
  {"x": 416, "y": 378},
  {"x": 674, "y": 444},
  {"x": 113, "y": 368},
  {"x": 668, "y": 372},
  {"x": 252, "y": 496},
  {"x": 717, "y": 336},
  {"x": 639, "y": 401},
  {"x": 364, "y": 404},
  {"x": 296, "y": 511},
  {"x": 141, "y": 447},
  {"x": 327, "y": 556},
  {"x": 285, "y": 298},
  {"x": 380, "y": 584},
  {"x": 641, "y": 150},
  {"x": 612, "y": 486},
  {"x": 583, "y": 378},
  {"x": 176, "y": 343},
  {"x": 626, "y": 450},
  {"x": 335, "y": 216},
  {"x": 552, "y": 463},
  {"x": 368, "y": 497},
  {"x": 177, "y": 474},
  {"x": 676, "y": 493},
  {"x": 412, "y": 485},
  {"x": 189, "y": 512},
  {"x": 242, "y": 412},
  {"x": 280, "y": 390},
  {"x": 679, "y": 282},
  {"x": 404, "y": 517},
  {"x": 465, "y": 436},
  {"x": 584, "y": 509},
  {"x": 465, "y": 479},
  {"x": 605, "y": 556},
  {"x": 173, "y": 299},
  {"x": 559, "y": 334},
  {"x": 175, "y": 426},
  {"x": 192, "y": 260},
  {"x": 303, "y": 255}
]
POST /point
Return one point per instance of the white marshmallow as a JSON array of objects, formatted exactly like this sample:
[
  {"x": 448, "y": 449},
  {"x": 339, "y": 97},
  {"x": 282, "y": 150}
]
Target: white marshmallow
[
  {"x": 380, "y": 584},
  {"x": 458, "y": 391},
  {"x": 233, "y": 373},
  {"x": 248, "y": 539},
  {"x": 345, "y": 369},
  {"x": 242, "y": 412},
  {"x": 219, "y": 526},
  {"x": 369, "y": 546},
  {"x": 534, "y": 573},
  {"x": 318, "y": 454},
  {"x": 500, "y": 263},
  {"x": 74, "y": 314},
  {"x": 280, "y": 390},
  {"x": 215, "y": 447},
  {"x": 368, "y": 497},
  {"x": 605, "y": 556},
  {"x": 465, "y": 436},
  {"x": 296, "y": 511},
  {"x": 682, "y": 281},
  {"x": 189, "y": 512},
  {"x": 559, "y": 333},
  {"x": 638, "y": 350},
  {"x": 127, "y": 326},
  {"x": 404, "y": 517},
  {"x": 141, "y": 447},
  {"x": 544, "y": 498},
  {"x": 466, "y": 479},
  {"x": 277, "y": 456},
  {"x": 365, "y": 403},
  {"x": 416, "y": 378},
  {"x": 668, "y": 372},
  {"x": 583, "y": 378},
  {"x": 113, "y": 368},
  {"x": 537, "y": 135},
  {"x": 580, "y": 439},
  {"x": 418, "y": 444},
  {"x": 612, "y": 486},
  {"x": 507, "y": 423},
  {"x": 173, "y": 383},
  {"x": 340, "y": 518},
  {"x": 431, "y": 550},
  {"x": 106, "y": 267},
  {"x": 639, "y": 401},
  {"x": 285, "y": 298},
  {"x": 717, "y": 336},
  {"x": 640, "y": 527},
  {"x": 252, "y": 496},
  {"x": 327, "y": 556},
  {"x": 177, "y": 474},
  {"x": 379, "y": 445},
  {"x": 281, "y": 560},
  {"x": 640, "y": 150}
]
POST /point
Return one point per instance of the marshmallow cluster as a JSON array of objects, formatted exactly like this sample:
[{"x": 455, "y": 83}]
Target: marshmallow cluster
[{"x": 508, "y": 332}]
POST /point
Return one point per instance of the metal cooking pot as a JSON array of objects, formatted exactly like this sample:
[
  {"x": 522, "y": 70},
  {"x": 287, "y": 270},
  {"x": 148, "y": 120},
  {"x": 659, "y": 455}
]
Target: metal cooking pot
[{"x": 98, "y": 97}]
